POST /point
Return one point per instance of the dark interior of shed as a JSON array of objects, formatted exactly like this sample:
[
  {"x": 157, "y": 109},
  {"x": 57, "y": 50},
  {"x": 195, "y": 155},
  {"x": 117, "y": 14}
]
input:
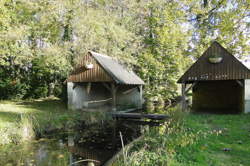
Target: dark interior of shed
[{"x": 224, "y": 97}]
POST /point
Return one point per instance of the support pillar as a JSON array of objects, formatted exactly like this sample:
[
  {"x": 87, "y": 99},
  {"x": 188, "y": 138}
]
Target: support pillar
[
  {"x": 140, "y": 104},
  {"x": 88, "y": 88},
  {"x": 183, "y": 99},
  {"x": 114, "y": 97},
  {"x": 70, "y": 91}
]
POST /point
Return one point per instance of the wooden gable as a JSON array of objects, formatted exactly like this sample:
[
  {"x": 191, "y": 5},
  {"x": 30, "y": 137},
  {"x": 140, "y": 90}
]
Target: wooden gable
[
  {"x": 230, "y": 68},
  {"x": 95, "y": 74}
]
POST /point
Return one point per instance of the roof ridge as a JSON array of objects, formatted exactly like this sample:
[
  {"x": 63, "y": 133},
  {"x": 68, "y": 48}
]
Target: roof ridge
[
  {"x": 237, "y": 59},
  {"x": 121, "y": 73},
  {"x": 98, "y": 54}
]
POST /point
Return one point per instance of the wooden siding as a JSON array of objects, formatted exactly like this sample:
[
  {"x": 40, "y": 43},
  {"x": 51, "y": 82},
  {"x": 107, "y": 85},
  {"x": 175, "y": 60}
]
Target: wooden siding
[
  {"x": 96, "y": 74},
  {"x": 229, "y": 69}
]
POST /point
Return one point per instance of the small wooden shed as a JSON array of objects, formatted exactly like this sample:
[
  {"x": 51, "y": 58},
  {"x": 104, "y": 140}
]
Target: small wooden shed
[
  {"x": 100, "y": 82},
  {"x": 219, "y": 82}
]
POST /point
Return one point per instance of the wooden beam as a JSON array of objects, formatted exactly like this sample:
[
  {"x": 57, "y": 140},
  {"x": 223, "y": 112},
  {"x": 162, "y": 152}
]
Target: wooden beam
[
  {"x": 189, "y": 88},
  {"x": 139, "y": 116},
  {"x": 240, "y": 83},
  {"x": 140, "y": 104},
  {"x": 74, "y": 85},
  {"x": 129, "y": 91},
  {"x": 88, "y": 87},
  {"x": 98, "y": 101}
]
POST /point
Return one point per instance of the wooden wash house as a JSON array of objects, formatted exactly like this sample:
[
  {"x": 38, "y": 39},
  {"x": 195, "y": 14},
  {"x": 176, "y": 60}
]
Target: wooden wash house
[
  {"x": 219, "y": 82},
  {"x": 100, "y": 82}
]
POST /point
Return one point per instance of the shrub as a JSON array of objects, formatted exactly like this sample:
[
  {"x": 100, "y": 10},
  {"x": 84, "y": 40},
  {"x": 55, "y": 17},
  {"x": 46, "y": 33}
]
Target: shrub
[
  {"x": 160, "y": 104},
  {"x": 150, "y": 106},
  {"x": 40, "y": 92},
  {"x": 58, "y": 90},
  {"x": 12, "y": 89}
]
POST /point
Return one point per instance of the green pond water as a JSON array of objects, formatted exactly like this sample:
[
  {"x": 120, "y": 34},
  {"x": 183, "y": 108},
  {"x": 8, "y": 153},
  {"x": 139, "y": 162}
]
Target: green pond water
[{"x": 76, "y": 148}]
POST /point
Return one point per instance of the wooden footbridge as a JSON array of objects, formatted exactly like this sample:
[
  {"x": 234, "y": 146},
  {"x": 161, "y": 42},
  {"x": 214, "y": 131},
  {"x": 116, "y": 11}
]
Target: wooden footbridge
[{"x": 153, "y": 117}]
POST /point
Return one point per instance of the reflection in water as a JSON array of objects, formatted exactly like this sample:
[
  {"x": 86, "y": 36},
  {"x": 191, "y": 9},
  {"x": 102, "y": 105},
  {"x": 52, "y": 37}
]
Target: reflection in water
[
  {"x": 40, "y": 153},
  {"x": 71, "y": 141},
  {"x": 91, "y": 163},
  {"x": 91, "y": 146}
]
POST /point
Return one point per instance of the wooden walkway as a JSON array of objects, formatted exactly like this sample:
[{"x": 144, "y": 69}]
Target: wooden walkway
[{"x": 119, "y": 115}]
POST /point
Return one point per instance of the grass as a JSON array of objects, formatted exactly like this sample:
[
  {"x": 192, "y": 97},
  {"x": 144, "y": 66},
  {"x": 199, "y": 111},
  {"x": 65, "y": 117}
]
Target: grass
[
  {"x": 12, "y": 111},
  {"x": 194, "y": 140},
  {"x": 226, "y": 139},
  {"x": 23, "y": 120},
  {"x": 188, "y": 139}
]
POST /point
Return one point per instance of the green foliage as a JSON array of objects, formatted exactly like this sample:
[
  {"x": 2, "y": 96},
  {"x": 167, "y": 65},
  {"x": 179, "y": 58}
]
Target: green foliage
[
  {"x": 40, "y": 41},
  {"x": 26, "y": 153},
  {"x": 150, "y": 107},
  {"x": 157, "y": 147},
  {"x": 224, "y": 21},
  {"x": 193, "y": 140},
  {"x": 40, "y": 92},
  {"x": 22, "y": 121}
]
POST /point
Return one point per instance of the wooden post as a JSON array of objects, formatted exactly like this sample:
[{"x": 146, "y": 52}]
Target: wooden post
[
  {"x": 88, "y": 87},
  {"x": 113, "y": 91},
  {"x": 140, "y": 104},
  {"x": 183, "y": 93}
]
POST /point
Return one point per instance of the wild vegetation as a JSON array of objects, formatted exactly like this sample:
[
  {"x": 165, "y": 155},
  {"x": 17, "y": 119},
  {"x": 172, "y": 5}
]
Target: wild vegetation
[
  {"x": 21, "y": 121},
  {"x": 193, "y": 140}
]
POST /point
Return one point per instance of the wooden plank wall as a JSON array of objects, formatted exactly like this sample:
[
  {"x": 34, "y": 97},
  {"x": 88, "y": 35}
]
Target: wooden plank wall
[
  {"x": 229, "y": 69},
  {"x": 96, "y": 74}
]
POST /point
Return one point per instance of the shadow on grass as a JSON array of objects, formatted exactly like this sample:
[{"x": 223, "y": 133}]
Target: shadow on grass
[
  {"x": 9, "y": 116},
  {"x": 45, "y": 105}
]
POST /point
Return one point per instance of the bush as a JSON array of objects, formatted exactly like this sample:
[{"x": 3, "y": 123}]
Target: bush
[
  {"x": 40, "y": 92},
  {"x": 63, "y": 95},
  {"x": 12, "y": 89},
  {"x": 150, "y": 106},
  {"x": 160, "y": 144},
  {"x": 160, "y": 104}
]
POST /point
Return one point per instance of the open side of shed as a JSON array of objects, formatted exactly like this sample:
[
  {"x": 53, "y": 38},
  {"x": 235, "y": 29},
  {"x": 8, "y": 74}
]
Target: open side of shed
[
  {"x": 219, "y": 82},
  {"x": 100, "y": 82},
  {"x": 218, "y": 97}
]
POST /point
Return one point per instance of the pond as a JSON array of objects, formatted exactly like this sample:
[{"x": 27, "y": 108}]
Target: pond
[{"x": 97, "y": 143}]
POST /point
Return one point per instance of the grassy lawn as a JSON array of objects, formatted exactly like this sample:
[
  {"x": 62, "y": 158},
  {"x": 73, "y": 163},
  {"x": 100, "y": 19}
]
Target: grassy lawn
[
  {"x": 225, "y": 140},
  {"x": 23, "y": 120},
  {"x": 196, "y": 140},
  {"x": 12, "y": 111}
]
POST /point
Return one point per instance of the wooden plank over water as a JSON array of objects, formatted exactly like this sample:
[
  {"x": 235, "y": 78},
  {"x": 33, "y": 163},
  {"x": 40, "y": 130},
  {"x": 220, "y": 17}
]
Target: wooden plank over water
[{"x": 139, "y": 116}]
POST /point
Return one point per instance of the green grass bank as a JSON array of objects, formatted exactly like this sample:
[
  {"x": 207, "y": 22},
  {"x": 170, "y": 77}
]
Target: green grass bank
[
  {"x": 191, "y": 139},
  {"x": 24, "y": 120}
]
